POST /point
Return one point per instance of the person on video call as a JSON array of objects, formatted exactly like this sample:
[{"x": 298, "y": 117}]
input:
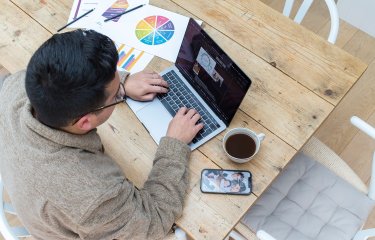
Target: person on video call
[{"x": 59, "y": 179}]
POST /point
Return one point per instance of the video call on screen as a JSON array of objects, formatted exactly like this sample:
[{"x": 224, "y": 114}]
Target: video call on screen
[{"x": 212, "y": 73}]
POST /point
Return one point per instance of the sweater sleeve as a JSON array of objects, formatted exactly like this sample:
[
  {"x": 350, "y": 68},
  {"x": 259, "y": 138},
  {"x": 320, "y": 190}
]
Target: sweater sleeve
[
  {"x": 125, "y": 212},
  {"x": 123, "y": 75}
]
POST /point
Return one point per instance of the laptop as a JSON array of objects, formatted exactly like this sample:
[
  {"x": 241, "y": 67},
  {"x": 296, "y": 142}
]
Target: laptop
[{"x": 205, "y": 78}]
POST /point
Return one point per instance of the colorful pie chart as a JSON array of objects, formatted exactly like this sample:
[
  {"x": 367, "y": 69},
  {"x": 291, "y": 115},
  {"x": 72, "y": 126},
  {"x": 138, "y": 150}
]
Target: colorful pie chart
[{"x": 154, "y": 30}]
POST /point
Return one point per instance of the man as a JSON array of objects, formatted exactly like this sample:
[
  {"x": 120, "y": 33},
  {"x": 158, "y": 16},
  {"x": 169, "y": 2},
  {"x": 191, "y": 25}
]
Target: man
[
  {"x": 237, "y": 176},
  {"x": 60, "y": 181}
]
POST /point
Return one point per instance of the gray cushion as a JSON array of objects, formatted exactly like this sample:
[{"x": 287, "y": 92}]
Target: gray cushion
[
  {"x": 1, "y": 82},
  {"x": 308, "y": 201},
  {"x": 3, "y": 75}
]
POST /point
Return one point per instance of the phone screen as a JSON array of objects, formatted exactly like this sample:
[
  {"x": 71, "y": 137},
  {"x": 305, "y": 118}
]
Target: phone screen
[{"x": 226, "y": 181}]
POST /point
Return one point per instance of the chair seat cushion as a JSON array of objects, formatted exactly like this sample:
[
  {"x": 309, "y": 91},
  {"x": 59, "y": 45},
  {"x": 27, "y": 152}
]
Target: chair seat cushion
[{"x": 308, "y": 201}]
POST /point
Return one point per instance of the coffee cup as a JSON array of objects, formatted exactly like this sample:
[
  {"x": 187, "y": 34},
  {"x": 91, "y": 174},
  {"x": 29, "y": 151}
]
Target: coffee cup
[{"x": 242, "y": 144}]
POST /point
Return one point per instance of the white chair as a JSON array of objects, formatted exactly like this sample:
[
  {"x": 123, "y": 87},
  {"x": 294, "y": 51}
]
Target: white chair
[
  {"x": 317, "y": 196},
  {"x": 178, "y": 234},
  {"x": 8, "y": 232},
  {"x": 306, "y": 4}
]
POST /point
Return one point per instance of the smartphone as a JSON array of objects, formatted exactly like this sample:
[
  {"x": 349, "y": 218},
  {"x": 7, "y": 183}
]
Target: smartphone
[{"x": 237, "y": 182}]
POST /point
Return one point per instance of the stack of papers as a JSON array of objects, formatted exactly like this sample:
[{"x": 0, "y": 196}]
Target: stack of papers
[{"x": 139, "y": 34}]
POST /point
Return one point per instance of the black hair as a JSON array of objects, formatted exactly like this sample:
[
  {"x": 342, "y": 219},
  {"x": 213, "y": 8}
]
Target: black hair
[
  {"x": 241, "y": 174},
  {"x": 213, "y": 171},
  {"x": 242, "y": 187},
  {"x": 66, "y": 77},
  {"x": 230, "y": 182}
]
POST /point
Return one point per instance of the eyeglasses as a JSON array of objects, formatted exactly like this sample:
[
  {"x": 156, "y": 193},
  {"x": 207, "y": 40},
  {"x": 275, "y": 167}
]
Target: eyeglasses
[{"x": 119, "y": 98}]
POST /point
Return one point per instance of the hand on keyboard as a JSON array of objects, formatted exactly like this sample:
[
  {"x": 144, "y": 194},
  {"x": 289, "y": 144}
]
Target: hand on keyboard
[
  {"x": 184, "y": 125},
  {"x": 144, "y": 85},
  {"x": 180, "y": 95}
]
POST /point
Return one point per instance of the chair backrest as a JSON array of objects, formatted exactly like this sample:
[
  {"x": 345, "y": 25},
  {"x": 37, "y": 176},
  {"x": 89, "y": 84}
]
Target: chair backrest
[
  {"x": 8, "y": 232},
  {"x": 370, "y": 131},
  {"x": 305, "y": 6}
]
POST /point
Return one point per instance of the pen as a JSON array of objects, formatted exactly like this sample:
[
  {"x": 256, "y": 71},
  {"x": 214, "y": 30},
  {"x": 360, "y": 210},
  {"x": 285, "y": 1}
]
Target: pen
[
  {"x": 76, "y": 19},
  {"x": 118, "y": 15}
]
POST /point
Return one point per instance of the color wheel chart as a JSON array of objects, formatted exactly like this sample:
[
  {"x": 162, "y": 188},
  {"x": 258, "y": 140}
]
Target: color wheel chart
[
  {"x": 118, "y": 7},
  {"x": 154, "y": 30},
  {"x": 131, "y": 59}
]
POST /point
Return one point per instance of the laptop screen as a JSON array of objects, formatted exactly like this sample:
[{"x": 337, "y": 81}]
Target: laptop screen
[{"x": 209, "y": 70}]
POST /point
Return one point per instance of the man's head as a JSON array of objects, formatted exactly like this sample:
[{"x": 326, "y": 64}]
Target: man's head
[
  {"x": 70, "y": 75},
  {"x": 237, "y": 176},
  {"x": 227, "y": 183},
  {"x": 238, "y": 187}
]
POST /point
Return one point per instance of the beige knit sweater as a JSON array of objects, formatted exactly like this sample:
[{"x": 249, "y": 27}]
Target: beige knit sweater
[{"x": 64, "y": 187}]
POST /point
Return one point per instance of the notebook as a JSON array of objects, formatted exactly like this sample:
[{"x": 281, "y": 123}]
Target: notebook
[{"x": 205, "y": 78}]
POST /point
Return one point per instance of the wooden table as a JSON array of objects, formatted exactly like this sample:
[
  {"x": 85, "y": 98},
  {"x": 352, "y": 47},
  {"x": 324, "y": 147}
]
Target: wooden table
[{"x": 298, "y": 79}]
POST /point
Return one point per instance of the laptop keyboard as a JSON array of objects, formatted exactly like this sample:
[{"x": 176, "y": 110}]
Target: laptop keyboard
[{"x": 179, "y": 95}]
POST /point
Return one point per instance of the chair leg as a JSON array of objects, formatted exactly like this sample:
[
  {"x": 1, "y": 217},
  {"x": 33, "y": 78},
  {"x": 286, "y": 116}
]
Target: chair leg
[
  {"x": 371, "y": 188},
  {"x": 9, "y": 209},
  {"x": 180, "y": 234},
  {"x": 263, "y": 235},
  {"x": 235, "y": 235},
  {"x": 306, "y": 4},
  {"x": 364, "y": 234},
  {"x": 370, "y": 131},
  {"x": 288, "y": 7},
  {"x": 20, "y": 232},
  {"x": 8, "y": 232},
  {"x": 335, "y": 21}
]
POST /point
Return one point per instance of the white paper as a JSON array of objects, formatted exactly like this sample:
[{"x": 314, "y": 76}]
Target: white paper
[
  {"x": 132, "y": 60},
  {"x": 149, "y": 28},
  {"x": 80, "y": 7}
]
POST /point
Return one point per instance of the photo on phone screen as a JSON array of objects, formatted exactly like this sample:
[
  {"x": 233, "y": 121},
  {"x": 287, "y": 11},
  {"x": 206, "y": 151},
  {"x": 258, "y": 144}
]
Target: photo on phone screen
[{"x": 226, "y": 181}]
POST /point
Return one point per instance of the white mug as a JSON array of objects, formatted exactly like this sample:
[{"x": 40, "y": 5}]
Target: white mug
[{"x": 258, "y": 138}]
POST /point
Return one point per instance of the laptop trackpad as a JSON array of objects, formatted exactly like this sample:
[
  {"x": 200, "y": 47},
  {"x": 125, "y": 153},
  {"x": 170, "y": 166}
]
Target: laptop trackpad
[{"x": 156, "y": 119}]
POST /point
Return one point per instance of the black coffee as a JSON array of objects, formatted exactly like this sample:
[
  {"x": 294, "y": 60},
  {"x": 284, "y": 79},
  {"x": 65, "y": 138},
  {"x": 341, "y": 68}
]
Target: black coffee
[{"x": 240, "y": 146}]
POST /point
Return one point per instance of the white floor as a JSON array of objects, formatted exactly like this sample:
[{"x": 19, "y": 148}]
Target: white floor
[{"x": 359, "y": 13}]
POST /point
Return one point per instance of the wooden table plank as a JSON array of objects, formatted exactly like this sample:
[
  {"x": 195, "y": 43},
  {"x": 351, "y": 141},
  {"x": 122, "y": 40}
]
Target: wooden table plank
[
  {"x": 273, "y": 155},
  {"x": 269, "y": 95},
  {"x": 316, "y": 18},
  {"x": 20, "y": 36},
  {"x": 129, "y": 141},
  {"x": 50, "y": 14},
  {"x": 264, "y": 110},
  {"x": 3, "y": 74},
  {"x": 127, "y": 146},
  {"x": 305, "y": 57}
]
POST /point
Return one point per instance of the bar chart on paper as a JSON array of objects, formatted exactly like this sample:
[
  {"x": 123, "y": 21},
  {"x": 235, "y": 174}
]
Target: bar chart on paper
[{"x": 132, "y": 60}]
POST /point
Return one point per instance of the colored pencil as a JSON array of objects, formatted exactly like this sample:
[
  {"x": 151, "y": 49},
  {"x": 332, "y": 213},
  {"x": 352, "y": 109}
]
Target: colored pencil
[
  {"x": 75, "y": 20},
  {"x": 118, "y": 15}
]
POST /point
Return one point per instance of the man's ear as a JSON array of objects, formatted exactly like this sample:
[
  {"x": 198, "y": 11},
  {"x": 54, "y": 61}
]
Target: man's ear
[{"x": 85, "y": 123}]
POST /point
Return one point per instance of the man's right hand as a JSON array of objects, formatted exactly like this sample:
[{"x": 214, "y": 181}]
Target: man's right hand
[{"x": 184, "y": 125}]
